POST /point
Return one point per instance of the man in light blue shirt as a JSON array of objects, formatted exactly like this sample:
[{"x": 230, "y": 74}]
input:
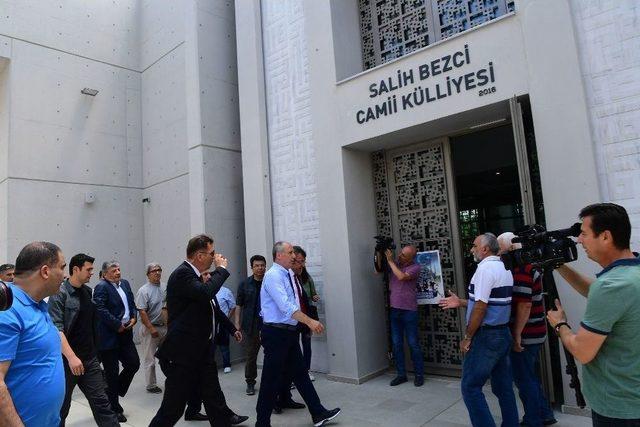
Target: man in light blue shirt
[
  {"x": 31, "y": 371},
  {"x": 280, "y": 311},
  {"x": 228, "y": 306}
]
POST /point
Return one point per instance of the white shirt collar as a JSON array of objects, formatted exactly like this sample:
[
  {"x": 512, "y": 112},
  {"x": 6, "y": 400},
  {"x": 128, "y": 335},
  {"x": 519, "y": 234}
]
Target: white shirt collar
[
  {"x": 194, "y": 269},
  {"x": 490, "y": 258}
]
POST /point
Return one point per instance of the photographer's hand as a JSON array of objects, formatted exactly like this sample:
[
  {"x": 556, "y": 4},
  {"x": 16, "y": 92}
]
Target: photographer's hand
[
  {"x": 556, "y": 316},
  {"x": 389, "y": 254}
]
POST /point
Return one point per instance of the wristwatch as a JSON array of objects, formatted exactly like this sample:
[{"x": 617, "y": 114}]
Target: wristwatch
[{"x": 559, "y": 325}]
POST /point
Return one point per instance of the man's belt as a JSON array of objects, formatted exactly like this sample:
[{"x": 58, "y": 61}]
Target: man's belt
[
  {"x": 285, "y": 326},
  {"x": 504, "y": 325}
]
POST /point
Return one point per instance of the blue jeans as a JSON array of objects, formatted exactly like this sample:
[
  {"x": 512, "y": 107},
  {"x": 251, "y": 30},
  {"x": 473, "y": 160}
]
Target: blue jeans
[
  {"x": 221, "y": 342},
  {"x": 489, "y": 358},
  {"x": 406, "y": 321},
  {"x": 536, "y": 406}
]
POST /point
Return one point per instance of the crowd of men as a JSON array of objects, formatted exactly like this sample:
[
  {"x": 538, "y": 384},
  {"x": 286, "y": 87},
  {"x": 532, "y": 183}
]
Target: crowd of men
[
  {"x": 60, "y": 333},
  {"x": 85, "y": 337}
]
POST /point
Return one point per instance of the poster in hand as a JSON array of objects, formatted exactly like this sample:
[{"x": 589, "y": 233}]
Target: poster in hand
[{"x": 430, "y": 284}]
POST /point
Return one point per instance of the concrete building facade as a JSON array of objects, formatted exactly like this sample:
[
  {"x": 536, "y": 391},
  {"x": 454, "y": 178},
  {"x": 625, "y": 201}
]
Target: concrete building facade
[
  {"x": 560, "y": 79},
  {"x": 319, "y": 122}
]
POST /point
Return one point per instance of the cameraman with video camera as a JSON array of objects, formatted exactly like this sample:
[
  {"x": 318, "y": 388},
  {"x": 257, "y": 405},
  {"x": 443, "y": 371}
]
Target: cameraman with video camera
[
  {"x": 529, "y": 332},
  {"x": 605, "y": 342},
  {"x": 404, "y": 312}
]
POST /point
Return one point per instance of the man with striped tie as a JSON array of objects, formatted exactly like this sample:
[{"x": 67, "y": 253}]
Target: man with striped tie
[{"x": 487, "y": 340}]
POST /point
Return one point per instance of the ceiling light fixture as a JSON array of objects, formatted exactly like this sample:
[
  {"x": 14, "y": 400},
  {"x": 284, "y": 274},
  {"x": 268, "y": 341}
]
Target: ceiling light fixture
[{"x": 89, "y": 91}]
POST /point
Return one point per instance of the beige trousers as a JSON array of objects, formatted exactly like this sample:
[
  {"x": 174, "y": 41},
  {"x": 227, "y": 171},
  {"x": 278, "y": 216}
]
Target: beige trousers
[{"x": 149, "y": 347}]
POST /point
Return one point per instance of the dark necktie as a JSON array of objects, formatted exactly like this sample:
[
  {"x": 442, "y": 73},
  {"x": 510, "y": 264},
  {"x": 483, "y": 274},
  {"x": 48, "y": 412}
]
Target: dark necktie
[{"x": 303, "y": 305}]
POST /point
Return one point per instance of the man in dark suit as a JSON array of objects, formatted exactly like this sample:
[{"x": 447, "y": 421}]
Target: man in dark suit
[
  {"x": 116, "y": 316},
  {"x": 185, "y": 355},
  {"x": 194, "y": 404}
]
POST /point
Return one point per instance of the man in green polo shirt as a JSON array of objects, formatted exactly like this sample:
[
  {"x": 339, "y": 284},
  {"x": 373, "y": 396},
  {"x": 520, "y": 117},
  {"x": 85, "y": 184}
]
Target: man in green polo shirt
[{"x": 606, "y": 341}]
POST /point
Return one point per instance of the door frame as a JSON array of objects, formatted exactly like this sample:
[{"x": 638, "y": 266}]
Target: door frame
[{"x": 456, "y": 250}]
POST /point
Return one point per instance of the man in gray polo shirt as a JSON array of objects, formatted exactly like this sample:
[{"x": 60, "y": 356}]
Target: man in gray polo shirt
[{"x": 150, "y": 302}]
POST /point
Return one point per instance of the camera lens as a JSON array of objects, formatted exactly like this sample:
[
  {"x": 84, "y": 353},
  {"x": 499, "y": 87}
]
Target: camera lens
[{"x": 6, "y": 296}]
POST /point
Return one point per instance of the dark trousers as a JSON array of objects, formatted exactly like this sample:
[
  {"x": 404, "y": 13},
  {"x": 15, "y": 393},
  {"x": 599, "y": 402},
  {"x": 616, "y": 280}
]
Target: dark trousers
[
  {"x": 118, "y": 382},
  {"x": 251, "y": 344},
  {"x": 222, "y": 343},
  {"x": 178, "y": 388},
  {"x": 93, "y": 387},
  {"x": 525, "y": 376},
  {"x": 282, "y": 354},
  {"x": 305, "y": 337},
  {"x": 406, "y": 322},
  {"x": 602, "y": 421}
]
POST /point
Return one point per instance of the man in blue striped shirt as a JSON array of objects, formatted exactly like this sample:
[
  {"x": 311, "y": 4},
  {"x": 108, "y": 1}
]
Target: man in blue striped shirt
[
  {"x": 487, "y": 339},
  {"x": 280, "y": 311}
]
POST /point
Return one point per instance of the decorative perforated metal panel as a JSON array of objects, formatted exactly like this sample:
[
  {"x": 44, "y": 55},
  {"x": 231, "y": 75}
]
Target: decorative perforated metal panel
[
  {"x": 417, "y": 187},
  {"x": 393, "y": 28}
]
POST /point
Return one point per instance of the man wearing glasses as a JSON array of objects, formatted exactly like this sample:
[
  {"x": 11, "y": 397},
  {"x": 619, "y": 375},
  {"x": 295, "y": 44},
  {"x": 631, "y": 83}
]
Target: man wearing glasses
[
  {"x": 150, "y": 302},
  {"x": 185, "y": 354}
]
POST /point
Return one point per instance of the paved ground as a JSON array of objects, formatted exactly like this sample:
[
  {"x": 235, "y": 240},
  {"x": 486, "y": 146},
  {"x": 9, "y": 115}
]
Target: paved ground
[{"x": 437, "y": 403}]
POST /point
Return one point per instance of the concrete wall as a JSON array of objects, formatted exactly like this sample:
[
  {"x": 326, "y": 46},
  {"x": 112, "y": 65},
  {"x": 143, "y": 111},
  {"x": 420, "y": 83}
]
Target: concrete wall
[
  {"x": 608, "y": 39},
  {"x": 164, "y": 132},
  {"x": 150, "y": 133},
  {"x": 101, "y": 30},
  {"x": 220, "y": 133},
  {"x": 63, "y": 144}
]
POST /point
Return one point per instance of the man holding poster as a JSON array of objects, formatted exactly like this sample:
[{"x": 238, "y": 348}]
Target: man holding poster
[{"x": 404, "y": 313}]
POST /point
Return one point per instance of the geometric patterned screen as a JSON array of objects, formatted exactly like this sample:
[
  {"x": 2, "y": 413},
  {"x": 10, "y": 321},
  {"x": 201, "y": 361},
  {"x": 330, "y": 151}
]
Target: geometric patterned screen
[
  {"x": 416, "y": 186},
  {"x": 391, "y": 29}
]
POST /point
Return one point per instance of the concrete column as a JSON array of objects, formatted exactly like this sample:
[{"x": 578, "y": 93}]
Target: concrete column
[
  {"x": 253, "y": 129},
  {"x": 355, "y": 310}
]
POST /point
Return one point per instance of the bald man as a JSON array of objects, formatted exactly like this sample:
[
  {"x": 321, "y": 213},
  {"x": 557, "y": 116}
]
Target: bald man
[{"x": 404, "y": 313}]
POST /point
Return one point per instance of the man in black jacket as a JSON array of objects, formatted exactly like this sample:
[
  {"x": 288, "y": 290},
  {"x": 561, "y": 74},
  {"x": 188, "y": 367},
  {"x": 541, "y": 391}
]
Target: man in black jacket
[
  {"x": 185, "y": 353},
  {"x": 73, "y": 313}
]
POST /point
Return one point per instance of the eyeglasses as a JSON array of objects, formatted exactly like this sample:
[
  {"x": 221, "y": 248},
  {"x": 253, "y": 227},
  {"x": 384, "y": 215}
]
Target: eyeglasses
[{"x": 157, "y": 270}]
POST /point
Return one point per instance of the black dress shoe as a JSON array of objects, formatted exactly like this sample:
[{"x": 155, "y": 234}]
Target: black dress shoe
[
  {"x": 325, "y": 417},
  {"x": 418, "y": 381},
  {"x": 121, "y": 418},
  {"x": 277, "y": 410},
  {"x": 398, "y": 380},
  {"x": 237, "y": 419},
  {"x": 291, "y": 404},
  {"x": 196, "y": 417}
]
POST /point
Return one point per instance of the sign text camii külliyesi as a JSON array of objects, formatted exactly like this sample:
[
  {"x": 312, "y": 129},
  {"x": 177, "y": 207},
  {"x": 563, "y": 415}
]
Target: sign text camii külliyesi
[{"x": 423, "y": 93}]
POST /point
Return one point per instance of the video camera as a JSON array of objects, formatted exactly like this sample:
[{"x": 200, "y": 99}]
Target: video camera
[
  {"x": 379, "y": 258},
  {"x": 543, "y": 249},
  {"x": 6, "y": 296}
]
